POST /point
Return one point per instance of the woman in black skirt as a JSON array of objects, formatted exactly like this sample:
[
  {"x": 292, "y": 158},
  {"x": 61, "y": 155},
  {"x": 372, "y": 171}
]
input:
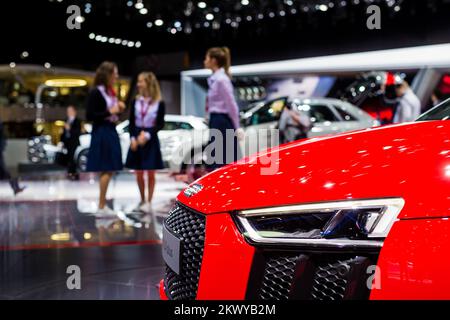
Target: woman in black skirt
[
  {"x": 146, "y": 119},
  {"x": 103, "y": 108},
  {"x": 222, "y": 109}
]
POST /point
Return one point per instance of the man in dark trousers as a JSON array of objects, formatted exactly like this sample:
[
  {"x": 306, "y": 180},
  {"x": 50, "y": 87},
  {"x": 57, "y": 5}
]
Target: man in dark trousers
[
  {"x": 4, "y": 173},
  {"x": 71, "y": 140}
]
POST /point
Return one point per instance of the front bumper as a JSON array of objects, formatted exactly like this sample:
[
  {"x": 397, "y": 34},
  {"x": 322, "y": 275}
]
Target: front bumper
[{"x": 233, "y": 269}]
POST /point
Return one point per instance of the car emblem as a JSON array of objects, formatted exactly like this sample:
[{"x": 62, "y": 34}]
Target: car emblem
[{"x": 193, "y": 190}]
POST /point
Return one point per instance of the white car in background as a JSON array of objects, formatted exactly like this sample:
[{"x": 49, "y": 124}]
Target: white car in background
[
  {"x": 328, "y": 116},
  {"x": 179, "y": 138}
]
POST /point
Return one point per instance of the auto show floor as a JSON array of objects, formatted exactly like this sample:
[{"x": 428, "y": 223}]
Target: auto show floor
[{"x": 50, "y": 227}]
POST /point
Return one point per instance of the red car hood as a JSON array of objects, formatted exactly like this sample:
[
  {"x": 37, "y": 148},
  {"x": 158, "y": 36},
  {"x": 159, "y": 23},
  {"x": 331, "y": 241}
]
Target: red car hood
[{"x": 411, "y": 161}]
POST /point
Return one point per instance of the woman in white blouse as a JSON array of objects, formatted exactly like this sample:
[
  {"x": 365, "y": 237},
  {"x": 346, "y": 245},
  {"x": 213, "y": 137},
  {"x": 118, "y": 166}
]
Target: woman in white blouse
[{"x": 146, "y": 119}]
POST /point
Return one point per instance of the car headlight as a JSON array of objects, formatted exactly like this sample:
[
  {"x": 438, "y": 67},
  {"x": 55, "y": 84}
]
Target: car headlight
[{"x": 332, "y": 224}]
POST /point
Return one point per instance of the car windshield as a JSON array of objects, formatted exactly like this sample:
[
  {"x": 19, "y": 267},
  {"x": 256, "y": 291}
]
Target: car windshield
[{"x": 440, "y": 112}]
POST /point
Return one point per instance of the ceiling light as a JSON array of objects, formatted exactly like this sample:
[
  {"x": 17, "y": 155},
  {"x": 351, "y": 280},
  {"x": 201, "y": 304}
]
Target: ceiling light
[
  {"x": 201, "y": 5},
  {"x": 79, "y": 19},
  {"x": 66, "y": 83},
  {"x": 47, "y": 65},
  {"x": 209, "y": 17},
  {"x": 143, "y": 11},
  {"x": 138, "y": 44},
  {"x": 159, "y": 22},
  {"x": 245, "y": 2},
  {"x": 139, "y": 5},
  {"x": 92, "y": 36}
]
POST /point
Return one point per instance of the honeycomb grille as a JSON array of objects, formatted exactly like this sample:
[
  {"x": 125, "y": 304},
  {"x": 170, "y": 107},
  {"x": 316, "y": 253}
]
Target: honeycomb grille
[
  {"x": 189, "y": 226},
  {"x": 325, "y": 277},
  {"x": 331, "y": 280},
  {"x": 278, "y": 278}
]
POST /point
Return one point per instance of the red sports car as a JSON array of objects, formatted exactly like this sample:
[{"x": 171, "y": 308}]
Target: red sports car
[{"x": 361, "y": 215}]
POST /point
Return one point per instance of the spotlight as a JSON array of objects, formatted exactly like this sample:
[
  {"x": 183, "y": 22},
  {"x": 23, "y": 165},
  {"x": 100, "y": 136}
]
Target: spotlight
[
  {"x": 143, "y": 11},
  {"x": 201, "y": 5},
  {"x": 149, "y": 24},
  {"x": 12, "y": 65},
  {"x": 47, "y": 65},
  {"x": 159, "y": 22},
  {"x": 79, "y": 19},
  {"x": 177, "y": 24},
  {"x": 139, "y": 5},
  {"x": 24, "y": 55},
  {"x": 209, "y": 17},
  {"x": 92, "y": 36},
  {"x": 245, "y": 2},
  {"x": 138, "y": 44}
]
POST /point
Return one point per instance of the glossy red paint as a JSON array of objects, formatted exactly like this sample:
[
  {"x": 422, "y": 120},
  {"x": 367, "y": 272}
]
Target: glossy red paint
[
  {"x": 415, "y": 262},
  {"x": 162, "y": 291},
  {"x": 224, "y": 273},
  {"x": 409, "y": 160}
]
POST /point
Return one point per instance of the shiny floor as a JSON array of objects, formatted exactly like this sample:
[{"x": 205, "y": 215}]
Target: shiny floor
[{"x": 51, "y": 226}]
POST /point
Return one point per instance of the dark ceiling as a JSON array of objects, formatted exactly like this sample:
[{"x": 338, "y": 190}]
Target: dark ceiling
[{"x": 255, "y": 30}]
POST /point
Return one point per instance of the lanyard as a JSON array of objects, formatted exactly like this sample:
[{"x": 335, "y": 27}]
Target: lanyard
[{"x": 144, "y": 110}]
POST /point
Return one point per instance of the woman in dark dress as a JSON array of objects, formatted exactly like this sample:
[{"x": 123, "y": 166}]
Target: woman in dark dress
[
  {"x": 222, "y": 109},
  {"x": 146, "y": 119},
  {"x": 103, "y": 108}
]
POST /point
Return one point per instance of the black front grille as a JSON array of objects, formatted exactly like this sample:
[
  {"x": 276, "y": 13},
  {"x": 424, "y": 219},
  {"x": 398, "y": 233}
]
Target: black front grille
[
  {"x": 331, "y": 280},
  {"x": 278, "y": 278},
  {"x": 189, "y": 226},
  {"x": 310, "y": 276}
]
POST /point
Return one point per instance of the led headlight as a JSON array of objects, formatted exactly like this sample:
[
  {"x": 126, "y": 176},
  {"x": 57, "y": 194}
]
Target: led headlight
[{"x": 355, "y": 223}]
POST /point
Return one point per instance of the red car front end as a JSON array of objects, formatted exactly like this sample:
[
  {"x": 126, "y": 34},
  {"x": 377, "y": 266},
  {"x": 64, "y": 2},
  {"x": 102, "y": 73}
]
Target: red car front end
[{"x": 362, "y": 215}]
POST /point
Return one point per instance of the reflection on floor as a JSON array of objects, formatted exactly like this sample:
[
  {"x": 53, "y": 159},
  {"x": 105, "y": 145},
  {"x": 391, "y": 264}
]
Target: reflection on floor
[{"x": 51, "y": 226}]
